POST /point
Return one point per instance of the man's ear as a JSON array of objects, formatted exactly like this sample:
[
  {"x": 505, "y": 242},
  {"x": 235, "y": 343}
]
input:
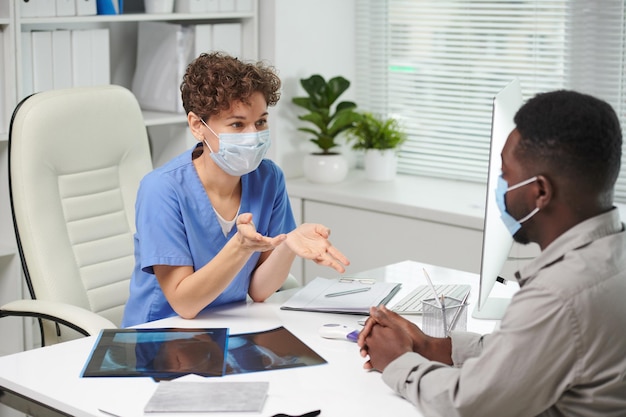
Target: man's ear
[{"x": 546, "y": 191}]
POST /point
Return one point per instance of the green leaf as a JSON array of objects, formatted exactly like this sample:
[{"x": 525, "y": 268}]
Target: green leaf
[
  {"x": 303, "y": 102},
  {"x": 318, "y": 119},
  {"x": 324, "y": 142},
  {"x": 309, "y": 130},
  {"x": 345, "y": 105},
  {"x": 336, "y": 87},
  {"x": 321, "y": 97},
  {"x": 315, "y": 86},
  {"x": 344, "y": 119},
  {"x": 372, "y": 132}
]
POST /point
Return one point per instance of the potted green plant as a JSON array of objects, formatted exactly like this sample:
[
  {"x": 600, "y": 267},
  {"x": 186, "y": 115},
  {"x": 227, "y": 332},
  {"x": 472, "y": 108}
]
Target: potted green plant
[
  {"x": 327, "y": 121},
  {"x": 380, "y": 138}
]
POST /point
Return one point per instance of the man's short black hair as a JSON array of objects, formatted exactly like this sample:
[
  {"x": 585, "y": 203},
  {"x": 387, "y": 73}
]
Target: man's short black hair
[{"x": 571, "y": 134}]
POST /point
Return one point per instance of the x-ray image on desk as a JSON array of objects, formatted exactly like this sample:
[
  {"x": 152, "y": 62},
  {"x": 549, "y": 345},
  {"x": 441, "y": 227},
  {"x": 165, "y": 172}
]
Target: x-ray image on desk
[
  {"x": 268, "y": 350},
  {"x": 158, "y": 353}
]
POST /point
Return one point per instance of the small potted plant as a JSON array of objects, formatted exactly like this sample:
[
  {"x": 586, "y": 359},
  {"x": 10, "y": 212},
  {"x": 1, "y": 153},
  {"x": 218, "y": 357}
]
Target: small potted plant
[
  {"x": 380, "y": 138},
  {"x": 328, "y": 121}
]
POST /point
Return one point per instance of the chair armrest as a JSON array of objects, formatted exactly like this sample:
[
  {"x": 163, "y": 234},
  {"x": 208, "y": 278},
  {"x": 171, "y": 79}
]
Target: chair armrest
[
  {"x": 290, "y": 282},
  {"x": 77, "y": 318}
]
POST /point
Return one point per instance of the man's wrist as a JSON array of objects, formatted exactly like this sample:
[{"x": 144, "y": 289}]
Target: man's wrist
[{"x": 437, "y": 349}]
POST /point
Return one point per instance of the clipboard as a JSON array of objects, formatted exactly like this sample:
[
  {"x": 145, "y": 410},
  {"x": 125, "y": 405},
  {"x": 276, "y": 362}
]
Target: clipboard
[{"x": 342, "y": 295}]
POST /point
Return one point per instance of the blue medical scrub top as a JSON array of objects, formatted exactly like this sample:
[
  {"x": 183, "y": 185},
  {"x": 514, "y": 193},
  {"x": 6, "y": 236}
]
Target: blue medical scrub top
[{"x": 176, "y": 225}]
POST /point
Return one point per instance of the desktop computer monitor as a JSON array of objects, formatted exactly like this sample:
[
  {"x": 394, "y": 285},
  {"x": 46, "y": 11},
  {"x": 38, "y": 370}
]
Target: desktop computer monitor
[{"x": 497, "y": 240}]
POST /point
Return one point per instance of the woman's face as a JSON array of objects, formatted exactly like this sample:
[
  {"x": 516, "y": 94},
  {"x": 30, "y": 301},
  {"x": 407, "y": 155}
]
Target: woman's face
[{"x": 240, "y": 118}]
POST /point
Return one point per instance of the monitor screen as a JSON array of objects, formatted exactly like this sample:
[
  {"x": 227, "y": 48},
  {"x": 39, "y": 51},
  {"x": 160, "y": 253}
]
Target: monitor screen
[{"x": 497, "y": 241}]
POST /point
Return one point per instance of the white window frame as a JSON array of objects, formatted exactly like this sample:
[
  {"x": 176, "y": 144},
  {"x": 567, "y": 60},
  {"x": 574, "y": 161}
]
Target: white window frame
[{"x": 436, "y": 65}]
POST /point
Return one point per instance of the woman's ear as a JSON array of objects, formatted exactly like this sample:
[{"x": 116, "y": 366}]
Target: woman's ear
[{"x": 195, "y": 125}]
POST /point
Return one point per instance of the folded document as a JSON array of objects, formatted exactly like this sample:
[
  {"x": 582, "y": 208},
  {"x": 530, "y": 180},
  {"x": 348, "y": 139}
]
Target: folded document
[{"x": 343, "y": 295}]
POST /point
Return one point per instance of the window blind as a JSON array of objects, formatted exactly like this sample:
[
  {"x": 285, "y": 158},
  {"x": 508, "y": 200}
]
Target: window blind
[{"x": 437, "y": 64}]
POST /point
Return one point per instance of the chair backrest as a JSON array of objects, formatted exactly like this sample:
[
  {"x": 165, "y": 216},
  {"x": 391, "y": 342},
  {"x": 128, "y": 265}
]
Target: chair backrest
[{"x": 76, "y": 157}]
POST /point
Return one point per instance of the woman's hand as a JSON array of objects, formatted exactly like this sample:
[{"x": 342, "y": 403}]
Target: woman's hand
[
  {"x": 252, "y": 240},
  {"x": 310, "y": 241}
]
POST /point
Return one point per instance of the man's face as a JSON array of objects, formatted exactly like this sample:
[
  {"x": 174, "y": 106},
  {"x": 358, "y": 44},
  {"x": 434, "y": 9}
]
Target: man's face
[{"x": 513, "y": 173}]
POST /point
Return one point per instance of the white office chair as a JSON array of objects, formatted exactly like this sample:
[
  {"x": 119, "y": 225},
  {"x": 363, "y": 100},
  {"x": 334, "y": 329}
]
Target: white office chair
[{"x": 76, "y": 157}]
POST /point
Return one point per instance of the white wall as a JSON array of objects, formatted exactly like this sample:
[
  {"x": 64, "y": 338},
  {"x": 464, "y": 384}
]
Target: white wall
[{"x": 301, "y": 38}]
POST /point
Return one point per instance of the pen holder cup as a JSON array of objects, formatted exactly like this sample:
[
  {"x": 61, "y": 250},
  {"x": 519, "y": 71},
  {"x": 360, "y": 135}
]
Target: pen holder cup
[{"x": 439, "y": 321}]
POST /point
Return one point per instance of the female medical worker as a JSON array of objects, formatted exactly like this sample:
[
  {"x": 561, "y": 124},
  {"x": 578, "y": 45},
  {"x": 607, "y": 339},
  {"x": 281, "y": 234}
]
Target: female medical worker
[{"x": 215, "y": 223}]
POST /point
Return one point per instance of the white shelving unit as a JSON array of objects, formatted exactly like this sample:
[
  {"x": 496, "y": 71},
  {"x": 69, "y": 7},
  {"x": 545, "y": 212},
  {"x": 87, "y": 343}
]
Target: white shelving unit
[
  {"x": 10, "y": 275},
  {"x": 167, "y": 131}
]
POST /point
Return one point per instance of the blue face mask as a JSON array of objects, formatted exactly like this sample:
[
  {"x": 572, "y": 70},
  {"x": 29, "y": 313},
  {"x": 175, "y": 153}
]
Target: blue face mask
[
  {"x": 240, "y": 153},
  {"x": 510, "y": 222}
]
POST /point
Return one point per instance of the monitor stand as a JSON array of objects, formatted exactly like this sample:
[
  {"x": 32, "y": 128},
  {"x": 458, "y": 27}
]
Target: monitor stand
[{"x": 493, "y": 309}]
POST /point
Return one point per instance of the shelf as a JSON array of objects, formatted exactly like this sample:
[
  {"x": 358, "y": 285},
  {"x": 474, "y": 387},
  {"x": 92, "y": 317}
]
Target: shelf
[
  {"x": 156, "y": 118},
  {"x": 168, "y": 131},
  {"x": 455, "y": 203},
  {"x": 151, "y": 118},
  {"x": 136, "y": 17}
]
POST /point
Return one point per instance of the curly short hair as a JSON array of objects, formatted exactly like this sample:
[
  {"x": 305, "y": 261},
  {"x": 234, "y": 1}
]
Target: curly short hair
[
  {"x": 574, "y": 135},
  {"x": 212, "y": 82}
]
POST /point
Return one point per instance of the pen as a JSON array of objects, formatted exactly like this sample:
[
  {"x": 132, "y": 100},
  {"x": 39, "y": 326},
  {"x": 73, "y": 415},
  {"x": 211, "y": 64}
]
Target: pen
[
  {"x": 354, "y": 291},
  {"x": 432, "y": 287},
  {"x": 443, "y": 314},
  {"x": 457, "y": 313}
]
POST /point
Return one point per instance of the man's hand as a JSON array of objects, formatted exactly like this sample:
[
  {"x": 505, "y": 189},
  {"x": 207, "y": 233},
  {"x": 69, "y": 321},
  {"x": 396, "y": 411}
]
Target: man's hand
[
  {"x": 436, "y": 349},
  {"x": 384, "y": 344}
]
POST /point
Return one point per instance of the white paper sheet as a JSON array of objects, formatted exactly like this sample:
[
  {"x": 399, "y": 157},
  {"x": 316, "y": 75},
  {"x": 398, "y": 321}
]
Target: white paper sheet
[{"x": 179, "y": 396}]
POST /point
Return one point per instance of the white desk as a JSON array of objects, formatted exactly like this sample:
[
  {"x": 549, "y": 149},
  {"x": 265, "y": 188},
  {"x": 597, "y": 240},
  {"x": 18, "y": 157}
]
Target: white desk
[{"x": 50, "y": 376}]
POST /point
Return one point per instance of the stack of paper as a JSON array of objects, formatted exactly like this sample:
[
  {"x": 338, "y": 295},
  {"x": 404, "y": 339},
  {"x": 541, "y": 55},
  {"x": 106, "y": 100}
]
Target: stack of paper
[
  {"x": 165, "y": 49},
  {"x": 202, "y": 397},
  {"x": 227, "y": 38},
  {"x": 191, "y": 6},
  {"x": 37, "y": 8},
  {"x": 42, "y": 60},
  {"x": 53, "y": 59},
  {"x": 350, "y": 296},
  {"x": 3, "y": 95},
  {"x": 48, "y": 8},
  {"x": 163, "y": 52},
  {"x": 203, "y": 6}
]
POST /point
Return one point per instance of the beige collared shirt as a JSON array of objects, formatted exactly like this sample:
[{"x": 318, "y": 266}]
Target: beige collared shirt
[{"x": 561, "y": 346}]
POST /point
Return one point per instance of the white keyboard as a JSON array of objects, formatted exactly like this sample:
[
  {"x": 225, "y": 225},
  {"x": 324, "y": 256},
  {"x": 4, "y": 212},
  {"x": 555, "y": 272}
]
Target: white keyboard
[{"x": 412, "y": 302}]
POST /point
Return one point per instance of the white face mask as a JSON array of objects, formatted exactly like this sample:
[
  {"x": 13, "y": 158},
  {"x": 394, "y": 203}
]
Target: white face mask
[{"x": 240, "y": 153}]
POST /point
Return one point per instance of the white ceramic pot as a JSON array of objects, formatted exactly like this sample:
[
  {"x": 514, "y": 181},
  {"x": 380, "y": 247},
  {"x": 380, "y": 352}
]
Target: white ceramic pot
[
  {"x": 325, "y": 168},
  {"x": 380, "y": 165}
]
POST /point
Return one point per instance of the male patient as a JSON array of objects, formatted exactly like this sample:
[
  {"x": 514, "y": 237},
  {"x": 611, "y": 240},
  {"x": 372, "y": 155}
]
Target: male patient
[{"x": 560, "y": 349}]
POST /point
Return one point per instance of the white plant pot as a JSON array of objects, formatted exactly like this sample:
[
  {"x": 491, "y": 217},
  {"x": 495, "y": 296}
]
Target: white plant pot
[
  {"x": 325, "y": 169},
  {"x": 380, "y": 165}
]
